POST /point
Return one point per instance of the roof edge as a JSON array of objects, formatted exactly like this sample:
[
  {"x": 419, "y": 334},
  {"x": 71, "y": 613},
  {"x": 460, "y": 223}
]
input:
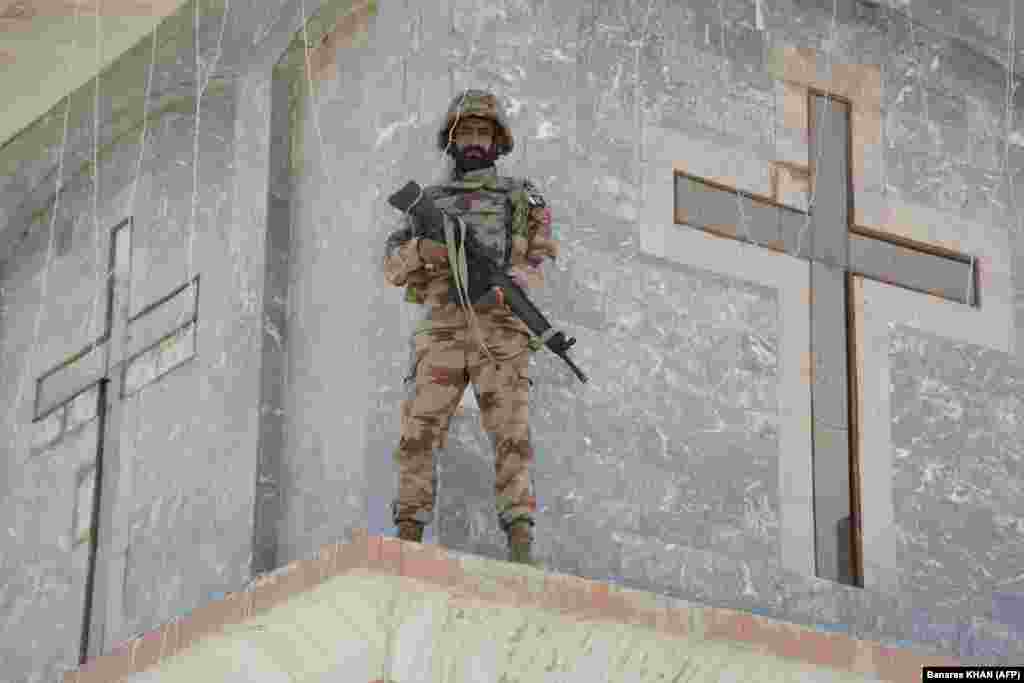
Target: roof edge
[{"x": 515, "y": 586}]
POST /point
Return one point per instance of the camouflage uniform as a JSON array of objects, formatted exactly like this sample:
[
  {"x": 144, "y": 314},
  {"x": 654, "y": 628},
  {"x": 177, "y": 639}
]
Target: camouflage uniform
[{"x": 511, "y": 219}]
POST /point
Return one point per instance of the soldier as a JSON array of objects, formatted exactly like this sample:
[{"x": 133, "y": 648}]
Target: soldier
[{"x": 483, "y": 343}]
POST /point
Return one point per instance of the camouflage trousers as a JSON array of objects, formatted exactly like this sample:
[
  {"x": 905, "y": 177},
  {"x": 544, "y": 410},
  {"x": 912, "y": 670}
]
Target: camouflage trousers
[{"x": 447, "y": 356}]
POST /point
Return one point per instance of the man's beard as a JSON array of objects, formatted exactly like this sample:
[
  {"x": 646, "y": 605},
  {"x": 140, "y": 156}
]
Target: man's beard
[{"x": 465, "y": 164}]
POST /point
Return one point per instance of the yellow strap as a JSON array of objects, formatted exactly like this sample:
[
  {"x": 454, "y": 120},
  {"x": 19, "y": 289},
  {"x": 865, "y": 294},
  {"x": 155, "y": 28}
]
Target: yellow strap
[{"x": 453, "y": 257}]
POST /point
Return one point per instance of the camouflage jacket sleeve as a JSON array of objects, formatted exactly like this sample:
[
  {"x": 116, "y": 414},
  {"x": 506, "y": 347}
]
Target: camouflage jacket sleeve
[
  {"x": 533, "y": 238},
  {"x": 419, "y": 265},
  {"x": 401, "y": 257}
]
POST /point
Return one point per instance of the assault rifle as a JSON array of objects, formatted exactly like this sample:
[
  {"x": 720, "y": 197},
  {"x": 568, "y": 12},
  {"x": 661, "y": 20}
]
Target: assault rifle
[{"x": 484, "y": 275}]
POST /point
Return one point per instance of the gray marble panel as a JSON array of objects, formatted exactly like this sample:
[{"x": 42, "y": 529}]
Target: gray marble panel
[
  {"x": 718, "y": 209},
  {"x": 162, "y": 317},
  {"x": 186, "y": 204},
  {"x": 959, "y": 485},
  {"x": 830, "y": 152},
  {"x": 828, "y": 344},
  {"x": 42, "y": 586},
  {"x": 886, "y": 262},
  {"x": 177, "y": 556},
  {"x": 673, "y": 444},
  {"x": 61, "y": 384}
]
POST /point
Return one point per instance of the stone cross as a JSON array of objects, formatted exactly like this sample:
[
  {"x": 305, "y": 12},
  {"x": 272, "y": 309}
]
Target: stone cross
[
  {"x": 838, "y": 250},
  {"x": 130, "y": 352}
]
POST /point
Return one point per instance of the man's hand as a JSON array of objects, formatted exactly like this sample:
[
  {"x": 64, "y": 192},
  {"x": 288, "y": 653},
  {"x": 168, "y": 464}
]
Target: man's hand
[{"x": 433, "y": 254}]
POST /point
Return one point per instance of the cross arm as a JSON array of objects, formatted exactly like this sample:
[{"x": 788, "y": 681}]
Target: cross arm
[{"x": 737, "y": 214}]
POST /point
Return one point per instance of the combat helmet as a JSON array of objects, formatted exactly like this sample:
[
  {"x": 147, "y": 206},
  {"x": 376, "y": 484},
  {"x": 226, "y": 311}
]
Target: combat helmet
[{"x": 477, "y": 103}]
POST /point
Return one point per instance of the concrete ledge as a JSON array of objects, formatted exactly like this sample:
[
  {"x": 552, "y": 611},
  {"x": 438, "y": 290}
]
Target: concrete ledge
[{"x": 472, "y": 582}]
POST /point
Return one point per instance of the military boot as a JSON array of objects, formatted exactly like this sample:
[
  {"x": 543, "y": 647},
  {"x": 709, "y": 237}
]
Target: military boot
[
  {"x": 410, "y": 530},
  {"x": 519, "y": 540}
]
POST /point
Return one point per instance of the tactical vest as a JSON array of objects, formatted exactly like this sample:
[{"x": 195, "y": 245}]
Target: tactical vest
[{"x": 494, "y": 208}]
